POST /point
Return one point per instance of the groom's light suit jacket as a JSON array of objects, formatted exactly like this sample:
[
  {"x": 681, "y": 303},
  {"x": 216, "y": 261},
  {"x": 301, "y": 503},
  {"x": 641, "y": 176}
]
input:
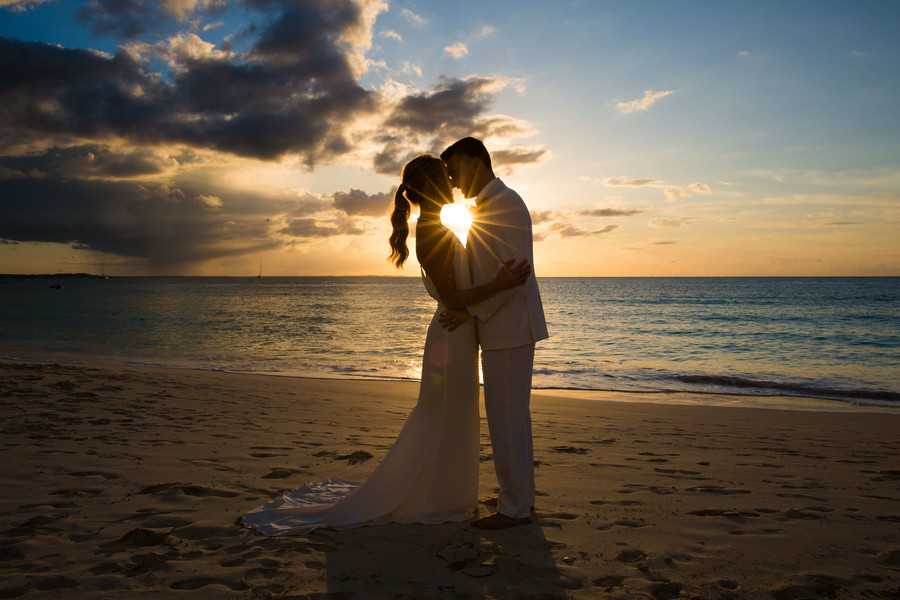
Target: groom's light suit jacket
[{"x": 501, "y": 230}]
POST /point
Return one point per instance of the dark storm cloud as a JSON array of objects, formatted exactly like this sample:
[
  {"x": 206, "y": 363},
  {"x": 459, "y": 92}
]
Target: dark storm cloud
[
  {"x": 359, "y": 203},
  {"x": 292, "y": 92},
  {"x": 87, "y": 138},
  {"x": 450, "y": 107},
  {"x": 87, "y": 161},
  {"x": 431, "y": 120},
  {"x": 133, "y": 18},
  {"x": 165, "y": 222}
]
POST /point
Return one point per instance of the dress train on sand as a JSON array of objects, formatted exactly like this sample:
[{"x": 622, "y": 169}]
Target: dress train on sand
[{"x": 430, "y": 475}]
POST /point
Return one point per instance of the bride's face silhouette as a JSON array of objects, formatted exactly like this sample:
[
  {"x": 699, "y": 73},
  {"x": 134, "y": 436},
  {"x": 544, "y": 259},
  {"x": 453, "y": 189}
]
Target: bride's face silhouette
[{"x": 427, "y": 177}]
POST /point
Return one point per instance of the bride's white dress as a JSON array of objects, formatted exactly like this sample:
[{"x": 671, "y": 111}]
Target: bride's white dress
[{"x": 430, "y": 475}]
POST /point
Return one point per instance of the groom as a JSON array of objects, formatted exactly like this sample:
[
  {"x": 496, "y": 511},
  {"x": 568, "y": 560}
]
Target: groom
[{"x": 509, "y": 324}]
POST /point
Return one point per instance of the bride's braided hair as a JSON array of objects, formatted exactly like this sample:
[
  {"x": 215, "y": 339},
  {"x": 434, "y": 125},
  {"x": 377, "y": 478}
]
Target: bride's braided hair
[{"x": 423, "y": 178}]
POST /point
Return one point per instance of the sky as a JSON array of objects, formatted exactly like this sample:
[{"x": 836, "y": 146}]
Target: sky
[{"x": 667, "y": 138}]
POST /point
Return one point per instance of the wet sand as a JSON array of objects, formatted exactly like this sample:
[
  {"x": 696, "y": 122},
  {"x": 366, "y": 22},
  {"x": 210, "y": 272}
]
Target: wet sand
[{"x": 127, "y": 482}]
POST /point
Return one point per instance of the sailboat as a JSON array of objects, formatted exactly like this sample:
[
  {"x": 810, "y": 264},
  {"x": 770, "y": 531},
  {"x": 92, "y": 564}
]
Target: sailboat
[
  {"x": 102, "y": 270},
  {"x": 260, "y": 270}
]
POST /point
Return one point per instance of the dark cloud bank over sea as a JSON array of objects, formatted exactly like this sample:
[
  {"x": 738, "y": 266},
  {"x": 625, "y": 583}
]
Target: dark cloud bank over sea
[{"x": 126, "y": 153}]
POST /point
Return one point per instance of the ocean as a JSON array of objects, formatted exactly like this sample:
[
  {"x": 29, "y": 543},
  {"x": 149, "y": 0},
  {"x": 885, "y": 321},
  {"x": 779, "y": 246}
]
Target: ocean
[{"x": 834, "y": 339}]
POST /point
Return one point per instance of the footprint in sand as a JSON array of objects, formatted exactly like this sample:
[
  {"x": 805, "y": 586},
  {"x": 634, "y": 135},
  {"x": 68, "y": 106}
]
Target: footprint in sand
[
  {"x": 59, "y": 582},
  {"x": 569, "y": 450},
  {"x": 188, "y": 489},
  {"x": 715, "y": 489},
  {"x": 99, "y": 474},
  {"x": 280, "y": 473},
  {"x": 623, "y": 523},
  {"x": 811, "y": 586},
  {"x": 800, "y": 515},
  {"x": 765, "y": 531},
  {"x": 76, "y": 493},
  {"x": 802, "y": 497},
  {"x": 631, "y": 556},
  {"x": 610, "y": 581},
  {"x": 668, "y": 590},
  {"x": 889, "y": 518},
  {"x": 633, "y": 487},
  {"x": 616, "y": 502},
  {"x": 562, "y": 516},
  {"x": 140, "y": 536},
  {"x": 202, "y": 582},
  {"x": 141, "y": 563},
  {"x": 199, "y": 532},
  {"x": 720, "y": 512}
]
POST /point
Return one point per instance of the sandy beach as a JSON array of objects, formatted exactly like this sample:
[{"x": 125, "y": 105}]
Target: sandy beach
[{"x": 129, "y": 482}]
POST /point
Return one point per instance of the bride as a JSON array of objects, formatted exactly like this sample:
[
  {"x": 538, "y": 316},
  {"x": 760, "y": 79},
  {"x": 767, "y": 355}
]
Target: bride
[{"x": 430, "y": 475}]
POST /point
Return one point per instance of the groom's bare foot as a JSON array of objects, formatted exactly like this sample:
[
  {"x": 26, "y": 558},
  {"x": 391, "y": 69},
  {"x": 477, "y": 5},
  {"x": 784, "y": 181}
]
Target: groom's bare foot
[
  {"x": 494, "y": 501},
  {"x": 499, "y": 521}
]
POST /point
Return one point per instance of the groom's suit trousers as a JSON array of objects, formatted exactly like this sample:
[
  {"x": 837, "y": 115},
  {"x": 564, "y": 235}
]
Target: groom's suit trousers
[
  {"x": 509, "y": 323},
  {"x": 507, "y": 399}
]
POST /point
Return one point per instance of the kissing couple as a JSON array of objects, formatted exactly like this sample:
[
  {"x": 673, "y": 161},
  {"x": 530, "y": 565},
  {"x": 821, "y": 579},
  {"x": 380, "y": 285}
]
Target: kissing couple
[{"x": 486, "y": 296}]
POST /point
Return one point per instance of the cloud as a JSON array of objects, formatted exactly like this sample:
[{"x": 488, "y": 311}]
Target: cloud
[
  {"x": 672, "y": 192},
  {"x": 672, "y": 222},
  {"x": 642, "y": 104},
  {"x": 451, "y": 109},
  {"x": 211, "y": 202},
  {"x": 451, "y": 103},
  {"x": 319, "y": 228},
  {"x": 685, "y": 221},
  {"x": 411, "y": 69},
  {"x": 503, "y": 160},
  {"x": 391, "y": 35},
  {"x": 131, "y": 153},
  {"x": 624, "y": 181},
  {"x": 611, "y": 212},
  {"x": 133, "y": 18},
  {"x": 412, "y": 18},
  {"x": 20, "y": 5},
  {"x": 293, "y": 91},
  {"x": 563, "y": 224},
  {"x": 570, "y": 231},
  {"x": 88, "y": 161},
  {"x": 357, "y": 202},
  {"x": 243, "y": 108},
  {"x": 169, "y": 222},
  {"x": 457, "y": 50},
  {"x": 539, "y": 217}
]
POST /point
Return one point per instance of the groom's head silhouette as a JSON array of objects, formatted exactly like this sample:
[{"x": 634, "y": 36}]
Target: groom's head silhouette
[{"x": 469, "y": 166}]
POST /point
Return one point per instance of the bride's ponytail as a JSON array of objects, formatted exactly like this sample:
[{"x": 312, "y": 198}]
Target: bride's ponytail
[
  {"x": 424, "y": 179},
  {"x": 400, "y": 224}
]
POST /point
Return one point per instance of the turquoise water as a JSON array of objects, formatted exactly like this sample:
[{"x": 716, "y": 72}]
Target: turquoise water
[{"x": 833, "y": 338}]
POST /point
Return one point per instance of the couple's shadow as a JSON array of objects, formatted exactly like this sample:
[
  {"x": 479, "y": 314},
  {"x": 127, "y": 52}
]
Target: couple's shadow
[{"x": 442, "y": 561}]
